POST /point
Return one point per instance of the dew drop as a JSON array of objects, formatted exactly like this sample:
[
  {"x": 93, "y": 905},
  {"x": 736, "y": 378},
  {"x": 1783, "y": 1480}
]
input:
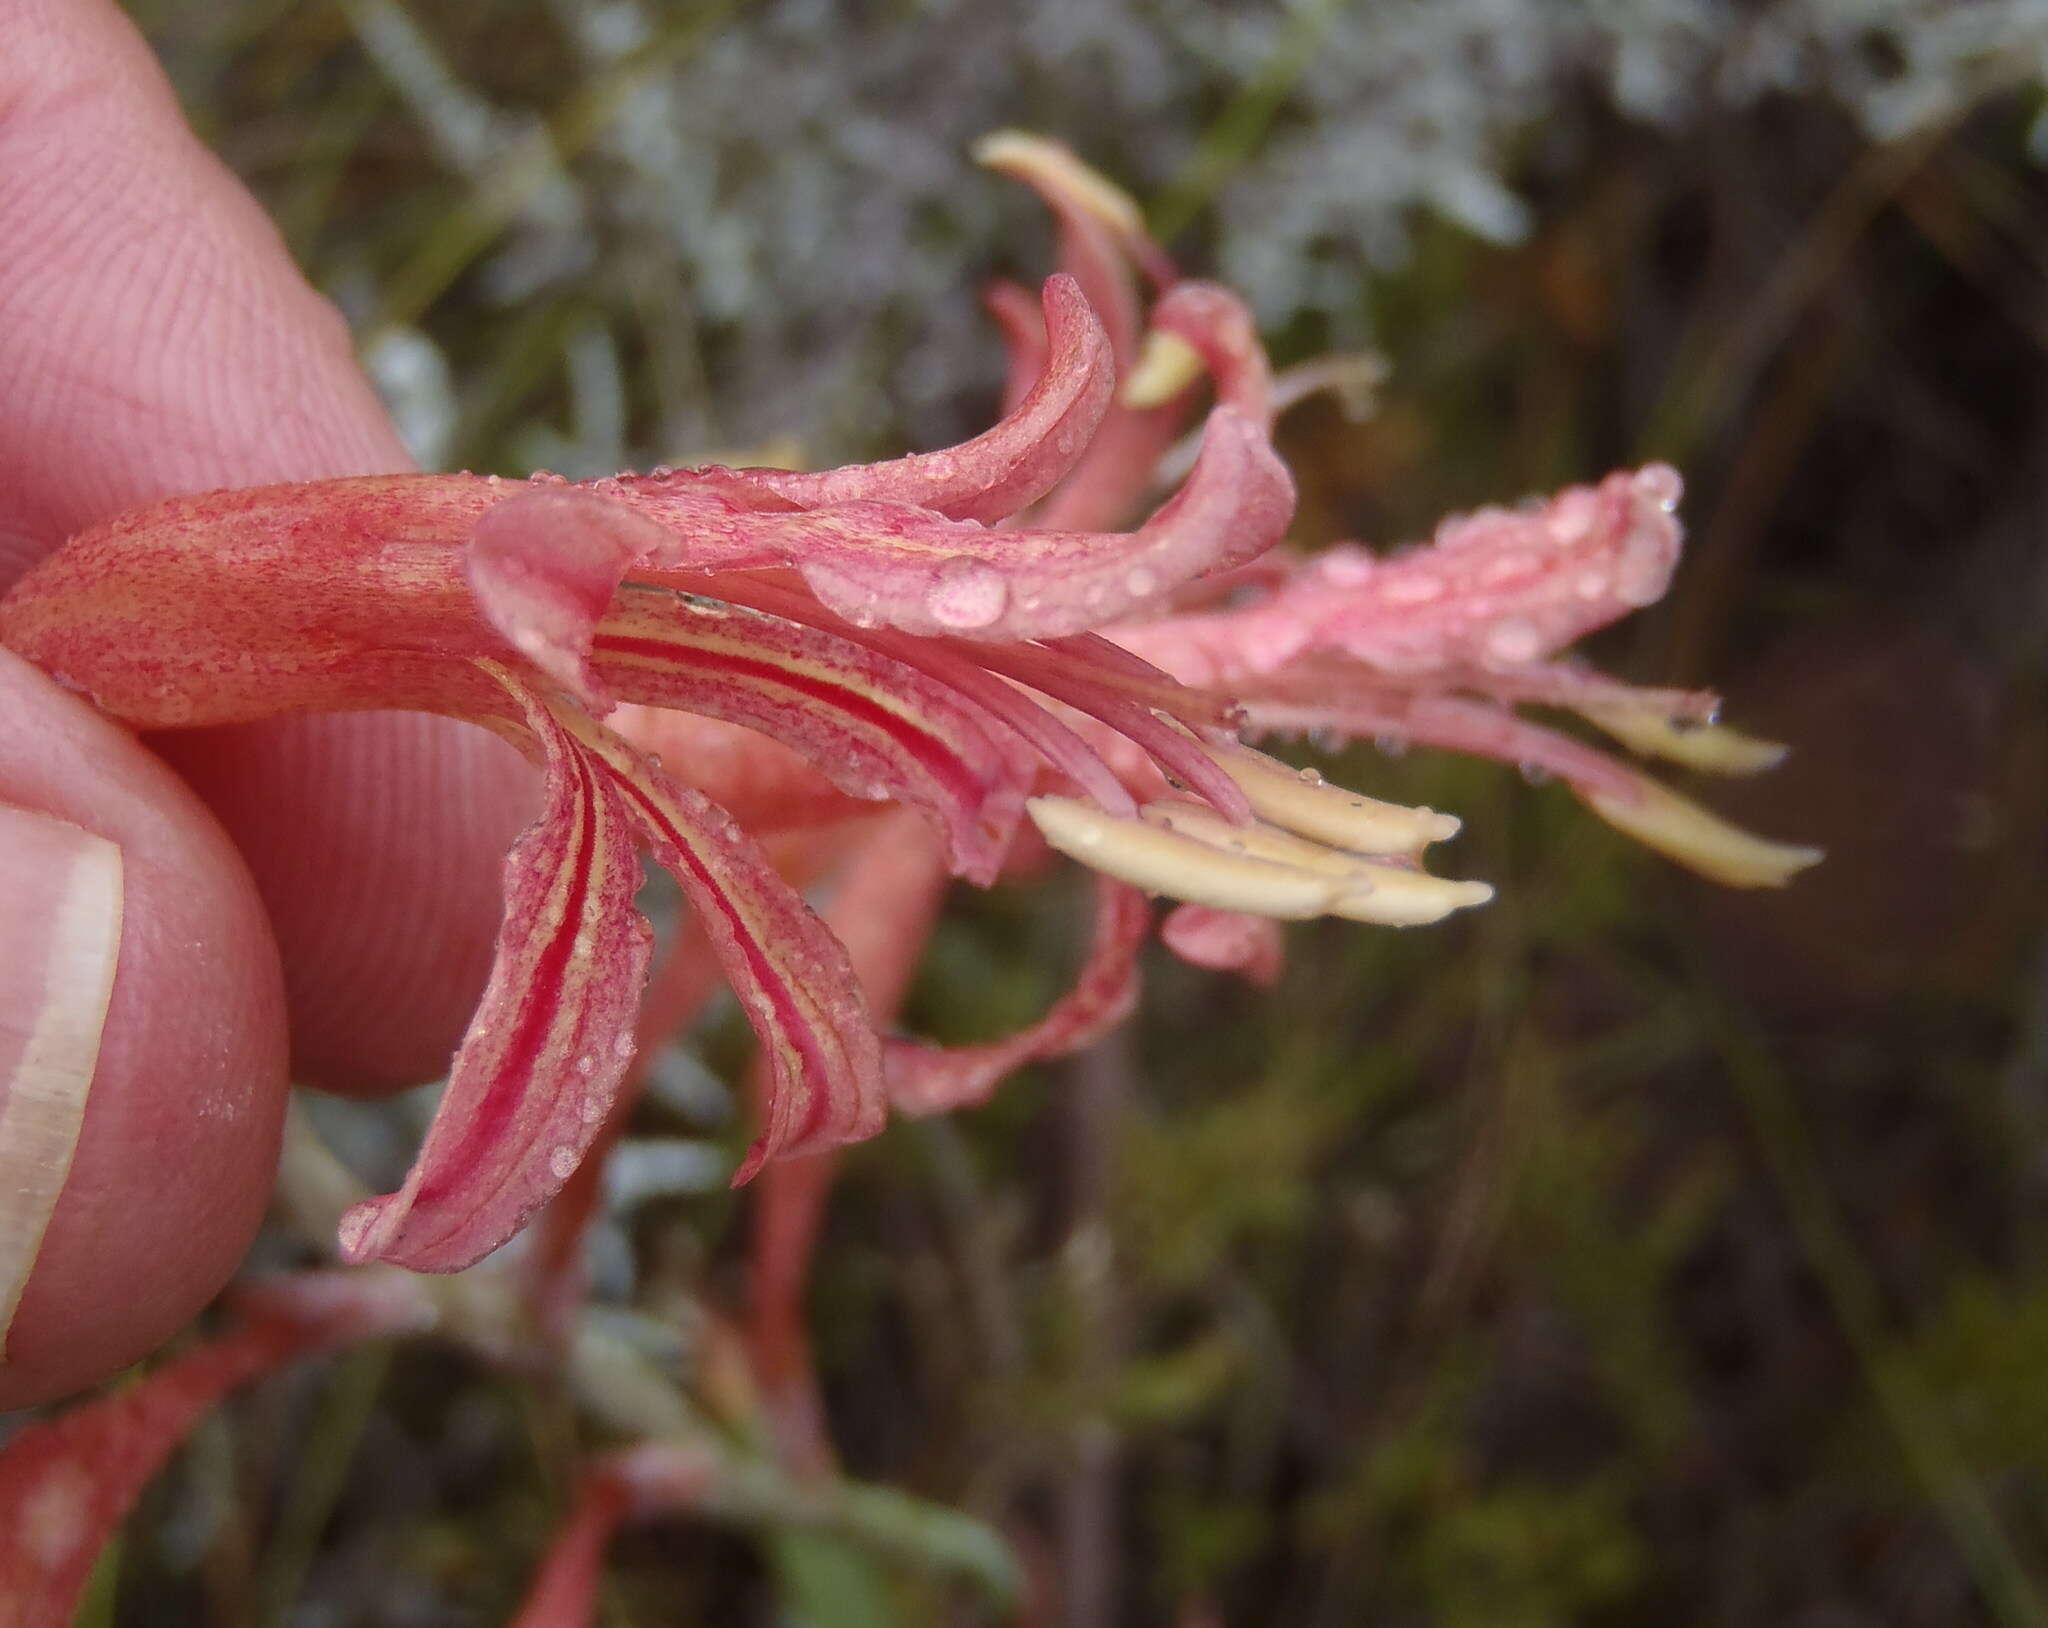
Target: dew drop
[
  {"x": 1346, "y": 570},
  {"x": 1513, "y": 640},
  {"x": 1141, "y": 581},
  {"x": 653, "y": 760},
  {"x": 586, "y": 1065},
  {"x": 591, "y": 1109},
  {"x": 1310, "y": 777},
  {"x": 1505, "y": 568},
  {"x": 1412, "y": 588},
  {"x": 562, "y": 1162},
  {"x": 622, "y": 1047},
  {"x": 1660, "y": 484}
]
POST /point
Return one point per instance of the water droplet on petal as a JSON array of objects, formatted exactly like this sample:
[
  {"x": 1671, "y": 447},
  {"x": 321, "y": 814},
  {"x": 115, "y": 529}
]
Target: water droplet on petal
[
  {"x": 586, "y": 1065},
  {"x": 562, "y": 1162},
  {"x": 1660, "y": 484},
  {"x": 1346, "y": 569},
  {"x": 1411, "y": 588},
  {"x": 1310, "y": 777},
  {"x": 622, "y": 1047},
  {"x": 1513, "y": 640},
  {"x": 1141, "y": 581},
  {"x": 966, "y": 593}
]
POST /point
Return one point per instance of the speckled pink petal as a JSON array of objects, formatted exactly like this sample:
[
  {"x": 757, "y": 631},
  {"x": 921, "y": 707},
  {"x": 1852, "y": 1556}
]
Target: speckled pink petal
[
  {"x": 67, "y": 1483},
  {"x": 824, "y": 1074},
  {"x": 874, "y": 564},
  {"x": 537, "y": 1073},
  {"x": 926, "y": 1079},
  {"x": 876, "y": 727},
  {"x": 1495, "y": 591}
]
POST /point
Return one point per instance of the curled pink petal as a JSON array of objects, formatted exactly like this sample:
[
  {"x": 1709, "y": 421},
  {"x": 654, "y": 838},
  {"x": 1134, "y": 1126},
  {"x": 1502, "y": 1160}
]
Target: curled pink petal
[
  {"x": 1004, "y": 469},
  {"x": 824, "y": 1060},
  {"x": 1218, "y": 325},
  {"x": 67, "y": 1483},
  {"x": 876, "y": 727},
  {"x": 1225, "y": 941},
  {"x": 1017, "y": 317},
  {"x": 537, "y": 1073},
  {"x": 875, "y": 564},
  {"x": 926, "y": 1079}
]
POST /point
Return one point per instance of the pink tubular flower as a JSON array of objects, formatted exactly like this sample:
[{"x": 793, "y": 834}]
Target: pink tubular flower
[
  {"x": 873, "y": 618},
  {"x": 1435, "y": 646}
]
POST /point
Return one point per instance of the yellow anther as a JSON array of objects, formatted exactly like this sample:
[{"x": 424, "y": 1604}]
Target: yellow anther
[
  {"x": 1052, "y": 167},
  {"x": 1163, "y": 861},
  {"x": 1301, "y": 801},
  {"x": 1405, "y": 898},
  {"x": 1713, "y": 747},
  {"x": 1258, "y": 841},
  {"x": 1391, "y": 895},
  {"x": 1166, "y": 366},
  {"x": 1703, "y": 841}
]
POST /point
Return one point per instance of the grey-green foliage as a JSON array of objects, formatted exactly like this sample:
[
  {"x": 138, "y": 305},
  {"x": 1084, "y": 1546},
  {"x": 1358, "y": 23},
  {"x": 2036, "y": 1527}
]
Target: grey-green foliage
[{"x": 802, "y": 168}]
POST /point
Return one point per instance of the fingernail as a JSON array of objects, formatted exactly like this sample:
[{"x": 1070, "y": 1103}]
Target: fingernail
[{"x": 60, "y": 901}]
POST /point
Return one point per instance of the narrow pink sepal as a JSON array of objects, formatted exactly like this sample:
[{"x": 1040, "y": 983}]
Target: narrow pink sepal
[
  {"x": 635, "y": 1483},
  {"x": 873, "y": 563},
  {"x": 926, "y": 1079},
  {"x": 564, "y": 1591},
  {"x": 875, "y": 727},
  {"x": 67, "y": 1483},
  {"x": 1225, "y": 941},
  {"x": 824, "y": 1075},
  {"x": 543, "y": 1060},
  {"x": 544, "y": 565}
]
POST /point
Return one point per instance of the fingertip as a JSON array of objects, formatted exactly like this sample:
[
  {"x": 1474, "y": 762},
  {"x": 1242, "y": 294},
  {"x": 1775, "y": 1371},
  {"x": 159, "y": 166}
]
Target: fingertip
[
  {"x": 121, "y": 890},
  {"x": 377, "y": 842}
]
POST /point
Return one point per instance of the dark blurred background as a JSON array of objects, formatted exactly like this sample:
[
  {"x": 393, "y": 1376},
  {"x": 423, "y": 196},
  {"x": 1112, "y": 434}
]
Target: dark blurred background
[{"x": 1629, "y": 1252}]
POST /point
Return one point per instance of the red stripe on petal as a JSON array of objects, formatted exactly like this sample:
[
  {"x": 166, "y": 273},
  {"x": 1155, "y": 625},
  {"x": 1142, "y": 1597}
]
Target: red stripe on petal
[
  {"x": 874, "y": 725},
  {"x": 792, "y": 977},
  {"x": 545, "y": 1054}
]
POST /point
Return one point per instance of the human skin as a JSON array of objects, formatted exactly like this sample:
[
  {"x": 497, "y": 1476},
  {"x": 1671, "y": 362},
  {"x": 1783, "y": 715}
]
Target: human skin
[{"x": 314, "y": 897}]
